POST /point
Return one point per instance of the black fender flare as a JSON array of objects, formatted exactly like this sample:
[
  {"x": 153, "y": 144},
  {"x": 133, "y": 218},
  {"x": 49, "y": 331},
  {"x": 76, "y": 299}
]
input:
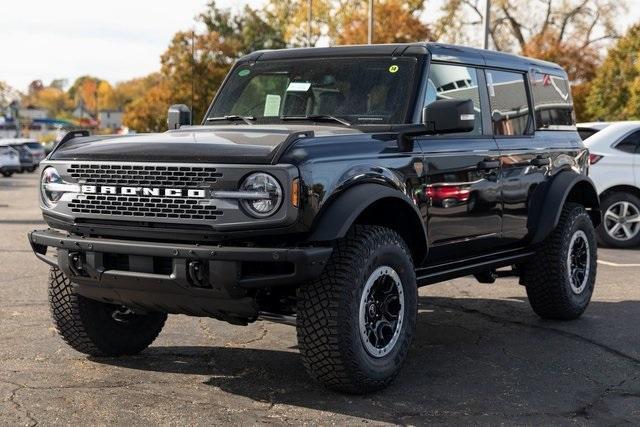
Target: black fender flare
[
  {"x": 341, "y": 213},
  {"x": 546, "y": 206}
]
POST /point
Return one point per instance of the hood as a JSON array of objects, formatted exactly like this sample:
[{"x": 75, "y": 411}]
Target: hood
[{"x": 192, "y": 144}]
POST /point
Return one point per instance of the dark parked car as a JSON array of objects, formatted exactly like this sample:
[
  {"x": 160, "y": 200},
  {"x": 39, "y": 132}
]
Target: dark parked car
[
  {"x": 37, "y": 151},
  {"x": 326, "y": 184}
]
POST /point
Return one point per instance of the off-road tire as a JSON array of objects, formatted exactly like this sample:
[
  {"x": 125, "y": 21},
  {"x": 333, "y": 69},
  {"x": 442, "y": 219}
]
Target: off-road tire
[
  {"x": 603, "y": 237},
  {"x": 328, "y": 313},
  {"x": 89, "y": 327},
  {"x": 546, "y": 275}
]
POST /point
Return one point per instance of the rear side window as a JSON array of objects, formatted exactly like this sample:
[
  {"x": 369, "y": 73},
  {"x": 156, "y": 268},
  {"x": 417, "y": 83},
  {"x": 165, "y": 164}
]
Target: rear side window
[
  {"x": 455, "y": 82},
  {"x": 587, "y": 132},
  {"x": 510, "y": 112},
  {"x": 552, "y": 101},
  {"x": 630, "y": 144}
]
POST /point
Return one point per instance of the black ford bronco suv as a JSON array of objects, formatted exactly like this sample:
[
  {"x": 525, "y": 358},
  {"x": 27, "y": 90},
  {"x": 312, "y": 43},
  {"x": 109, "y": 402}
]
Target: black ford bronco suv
[{"x": 326, "y": 184}]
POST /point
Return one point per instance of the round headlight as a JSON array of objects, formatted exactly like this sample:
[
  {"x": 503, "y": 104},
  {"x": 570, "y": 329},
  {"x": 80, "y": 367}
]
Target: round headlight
[
  {"x": 268, "y": 195},
  {"x": 50, "y": 176}
]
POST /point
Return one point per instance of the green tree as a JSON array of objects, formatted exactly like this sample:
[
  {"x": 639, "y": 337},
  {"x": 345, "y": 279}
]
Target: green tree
[{"x": 615, "y": 91}]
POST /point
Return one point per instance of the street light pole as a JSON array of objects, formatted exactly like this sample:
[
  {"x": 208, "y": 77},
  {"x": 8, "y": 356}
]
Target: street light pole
[
  {"x": 371, "y": 20},
  {"x": 309, "y": 19},
  {"x": 486, "y": 23}
]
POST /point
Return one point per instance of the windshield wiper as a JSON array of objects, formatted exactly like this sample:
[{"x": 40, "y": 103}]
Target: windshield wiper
[
  {"x": 232, "y": 118},
  {"x": 317, "y": 117}
]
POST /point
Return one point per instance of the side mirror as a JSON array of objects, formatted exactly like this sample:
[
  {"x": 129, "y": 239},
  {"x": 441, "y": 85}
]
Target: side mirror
[
  {"x": 449, "y": 116},
  {"x": 442, "y": 116},
  {"x": 178, "y": 115}
]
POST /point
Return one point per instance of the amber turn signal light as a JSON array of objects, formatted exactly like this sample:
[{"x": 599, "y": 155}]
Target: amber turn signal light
[{"x": 295, "y": 192}]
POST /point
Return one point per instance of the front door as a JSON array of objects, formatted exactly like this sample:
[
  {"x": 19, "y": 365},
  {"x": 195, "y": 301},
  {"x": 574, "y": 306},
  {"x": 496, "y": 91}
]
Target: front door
[{"x": 462, "y": 173}]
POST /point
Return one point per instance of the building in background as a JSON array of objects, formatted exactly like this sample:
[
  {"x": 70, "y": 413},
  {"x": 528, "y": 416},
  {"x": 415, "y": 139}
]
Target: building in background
[
  {"x": 110, "y": 119},
  {"x": 30, "y": 113}
]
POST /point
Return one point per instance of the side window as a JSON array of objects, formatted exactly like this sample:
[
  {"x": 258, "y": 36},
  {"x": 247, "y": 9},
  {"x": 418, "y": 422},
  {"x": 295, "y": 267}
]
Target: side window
[
  {"x": 510, "y": 113},
  {"x": 552, "y": 101},
  {"x": 455, "y": 82},
  {"x": 630, "y": 144}
]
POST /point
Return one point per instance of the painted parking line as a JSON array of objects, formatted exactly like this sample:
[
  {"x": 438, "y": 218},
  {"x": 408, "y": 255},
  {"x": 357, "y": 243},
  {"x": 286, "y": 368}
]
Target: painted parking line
[{"x": 615, "y": 264}]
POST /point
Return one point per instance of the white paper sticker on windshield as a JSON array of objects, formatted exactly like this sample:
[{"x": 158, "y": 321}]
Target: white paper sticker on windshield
[
  {"x": 272, "y": 106},
  {"x": 298, "y": 87}
]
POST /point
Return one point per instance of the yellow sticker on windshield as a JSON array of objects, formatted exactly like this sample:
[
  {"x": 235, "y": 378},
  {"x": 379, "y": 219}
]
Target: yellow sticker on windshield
[{"x": 394, "y": 69}]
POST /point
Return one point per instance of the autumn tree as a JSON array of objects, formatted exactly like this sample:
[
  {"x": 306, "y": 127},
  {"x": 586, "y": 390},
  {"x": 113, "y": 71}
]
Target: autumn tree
[
  {"x": 568, "y": 32},
  {"x": 127, "y": 91},
  {"x": 615, "y": 91},
  {"x": 4, "y": 95},
  {"x": 292, "y": 18},
  {"x": 52, "y": 99},
  {"x": 346, "y": 21},
  {"x": 395, "y": 21},
  {"x": 148, "y": 113}
]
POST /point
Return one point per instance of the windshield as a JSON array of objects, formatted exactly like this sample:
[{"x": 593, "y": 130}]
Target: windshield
[
  {"x": 356, "y": 90},
  {"x": 33, "y": 145}
]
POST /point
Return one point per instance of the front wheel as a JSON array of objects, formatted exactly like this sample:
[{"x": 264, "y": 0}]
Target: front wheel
[
  {"x": 7, "y": 174},
  {"x": 355, "y": 324},
  {"x": 560, "y": 277},
  {"x": 96, "y": 328}
]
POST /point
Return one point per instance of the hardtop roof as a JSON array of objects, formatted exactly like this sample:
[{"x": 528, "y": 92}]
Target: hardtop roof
[{"x": 438, "y": 51}]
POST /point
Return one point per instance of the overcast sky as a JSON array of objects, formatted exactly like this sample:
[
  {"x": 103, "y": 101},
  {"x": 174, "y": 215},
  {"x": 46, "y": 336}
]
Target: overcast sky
[{"x": 111, "y": 39}]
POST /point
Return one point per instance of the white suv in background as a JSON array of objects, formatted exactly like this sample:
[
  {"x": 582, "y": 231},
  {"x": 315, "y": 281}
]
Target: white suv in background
[{"x": 615, "y": 169}]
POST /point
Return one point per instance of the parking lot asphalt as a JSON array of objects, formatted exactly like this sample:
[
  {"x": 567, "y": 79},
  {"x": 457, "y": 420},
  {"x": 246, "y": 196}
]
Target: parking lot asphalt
[{"x": 480, "y": 356}]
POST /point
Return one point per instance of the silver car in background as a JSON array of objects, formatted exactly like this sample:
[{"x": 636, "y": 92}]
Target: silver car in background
[{"x": 9, "y": 161}]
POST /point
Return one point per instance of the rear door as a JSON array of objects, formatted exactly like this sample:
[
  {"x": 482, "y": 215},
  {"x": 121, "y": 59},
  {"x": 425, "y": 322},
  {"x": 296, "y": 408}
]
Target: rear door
[
  {"x": 462, "y": 171},
  {"x": 630, "y": 144},
  {"x": 636, "y": 160},
  {"x": 529, "y": 147}
]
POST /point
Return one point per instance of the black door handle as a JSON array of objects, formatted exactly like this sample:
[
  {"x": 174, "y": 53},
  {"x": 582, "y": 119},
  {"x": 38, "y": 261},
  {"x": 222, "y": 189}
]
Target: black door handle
[
  {"x": 541, "y": 161},
  {"x": 489, "y": 164}
]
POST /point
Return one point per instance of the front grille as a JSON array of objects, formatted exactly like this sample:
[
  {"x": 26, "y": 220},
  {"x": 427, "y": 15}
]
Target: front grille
[
  {"x": 131, "y": 175},
  {"x": 139, "y": 206},
  {"x": 148, "y": 207}
]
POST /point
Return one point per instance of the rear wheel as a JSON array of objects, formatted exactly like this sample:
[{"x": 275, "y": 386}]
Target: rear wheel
[
  {"x": 560, "y": 277},
  {"x": 7, "y": 174},
  {"x": 96, "y": 328},
  {"x": 356, "y": 323},
  {"x": 620, "y": 226}
]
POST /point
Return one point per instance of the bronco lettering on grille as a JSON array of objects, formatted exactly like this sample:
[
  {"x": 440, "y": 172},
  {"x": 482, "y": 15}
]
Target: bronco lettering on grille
[{"x": 143, "y": 191}]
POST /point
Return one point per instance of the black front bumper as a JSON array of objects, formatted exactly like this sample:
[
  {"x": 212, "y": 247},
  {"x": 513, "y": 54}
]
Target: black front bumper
[{"x": 216, "y": 281}]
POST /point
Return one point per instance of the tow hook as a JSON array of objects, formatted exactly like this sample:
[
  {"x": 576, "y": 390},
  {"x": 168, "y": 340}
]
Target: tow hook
[
  {"x": 197, "y": 274},
  {"x": 75, "y": 263}
]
